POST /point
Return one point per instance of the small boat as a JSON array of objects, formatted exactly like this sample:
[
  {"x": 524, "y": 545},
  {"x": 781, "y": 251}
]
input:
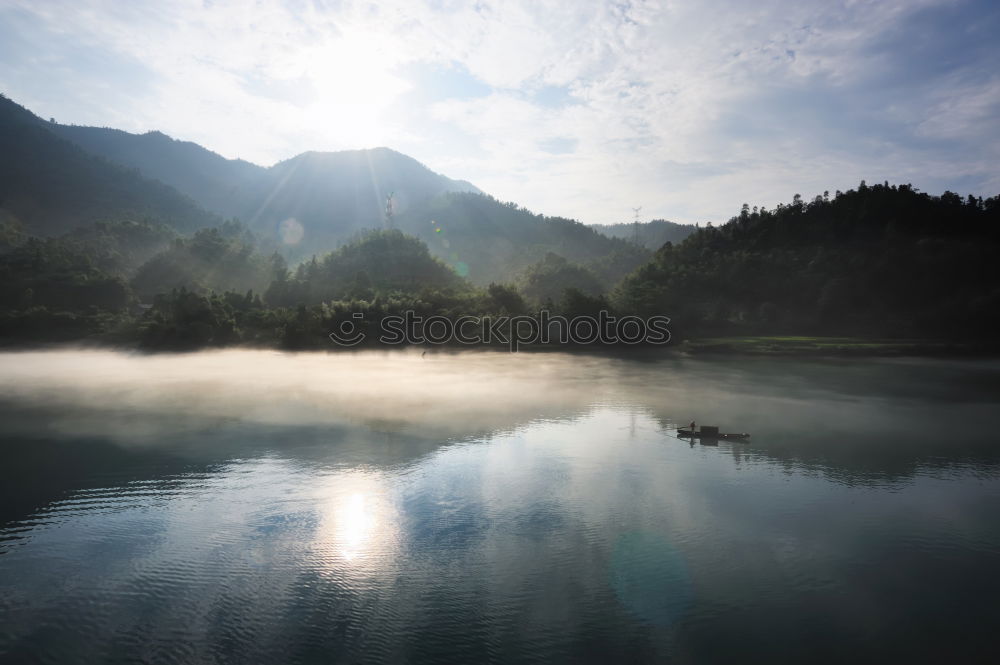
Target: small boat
[{"x": 708, "y": 432}]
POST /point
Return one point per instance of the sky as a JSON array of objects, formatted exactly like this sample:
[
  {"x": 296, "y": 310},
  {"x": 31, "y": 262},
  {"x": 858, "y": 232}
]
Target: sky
[{"x": 576, "y": 108}]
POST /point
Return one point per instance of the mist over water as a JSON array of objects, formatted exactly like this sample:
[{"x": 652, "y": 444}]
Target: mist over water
[{"x": 484, "y": 506}]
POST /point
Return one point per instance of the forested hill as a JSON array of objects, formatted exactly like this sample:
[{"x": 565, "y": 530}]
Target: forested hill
[
  {"x": 332, "y": 195},
  {"x": 878, "y": 260},
  {"x": 223, "y": 186},
  {"x": 63, "y": 177},
  {"x": 652, "y": 235},
  {"x": 491, "y": 241},
  {"x": 49, "y": 185}
]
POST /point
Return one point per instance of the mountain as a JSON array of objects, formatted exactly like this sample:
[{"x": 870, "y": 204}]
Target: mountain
[
  {"x": 880, "y": 260},
  {"x": 221, "y": 185},
  {"x": 652, "y": 235},
  {"x": 331, "y": 195},
  {"x": 49, "y": 185},
  {"x": 316, "y": 201},
  {"x": 304, "y": 206}
]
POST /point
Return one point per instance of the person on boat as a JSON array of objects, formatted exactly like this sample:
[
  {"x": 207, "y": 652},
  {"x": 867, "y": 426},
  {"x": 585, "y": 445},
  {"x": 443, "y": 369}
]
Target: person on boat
[{"x": 692, "y": 425}]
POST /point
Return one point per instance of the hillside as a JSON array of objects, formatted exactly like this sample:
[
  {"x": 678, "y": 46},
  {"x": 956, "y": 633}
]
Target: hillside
[
  {"x": 377, "y": 262},
  {"x": 491, "y": 241},
  {"x": 329, "y": 195},
  {"x": 334, "y": 194},
  {"x": 221, "y": 185},
  {"x": 652, "y": 234},
  {"x": 48, "y": 185},
  {"x": 881, "y": 260},
  {"x": 314, "y": 202}
]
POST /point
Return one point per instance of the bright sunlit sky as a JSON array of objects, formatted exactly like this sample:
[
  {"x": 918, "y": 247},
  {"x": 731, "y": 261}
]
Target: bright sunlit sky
[{"x": 571, "y": 107}]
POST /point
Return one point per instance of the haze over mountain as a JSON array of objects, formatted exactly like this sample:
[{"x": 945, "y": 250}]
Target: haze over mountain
[
  {"x": 652, "y": 235},
  {"x": 306, "y": 205},
  {"x": 84, "y": 237},
  {"x": 329, "y": 193}
]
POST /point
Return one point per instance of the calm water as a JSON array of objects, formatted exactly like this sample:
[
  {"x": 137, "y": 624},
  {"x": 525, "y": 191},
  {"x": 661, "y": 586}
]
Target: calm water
[{"x": 485, "y": 507}]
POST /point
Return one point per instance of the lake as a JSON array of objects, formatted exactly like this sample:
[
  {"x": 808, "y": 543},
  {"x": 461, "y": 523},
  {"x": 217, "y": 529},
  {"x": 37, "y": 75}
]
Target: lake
[{"x": 394, "y": 507}]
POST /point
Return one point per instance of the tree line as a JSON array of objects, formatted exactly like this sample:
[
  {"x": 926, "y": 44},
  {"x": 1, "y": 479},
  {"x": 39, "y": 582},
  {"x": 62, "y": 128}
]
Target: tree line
[{"x": 879, "y": 260}]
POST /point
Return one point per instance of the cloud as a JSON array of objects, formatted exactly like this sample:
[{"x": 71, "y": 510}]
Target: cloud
[{"x": 576, "y": 109}]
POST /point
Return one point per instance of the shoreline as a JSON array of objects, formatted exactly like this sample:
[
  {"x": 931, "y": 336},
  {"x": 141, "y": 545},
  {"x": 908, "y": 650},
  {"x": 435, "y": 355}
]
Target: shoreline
[
  {"x": 750, "y": 346},
  {"x": 812, "y": 346}
]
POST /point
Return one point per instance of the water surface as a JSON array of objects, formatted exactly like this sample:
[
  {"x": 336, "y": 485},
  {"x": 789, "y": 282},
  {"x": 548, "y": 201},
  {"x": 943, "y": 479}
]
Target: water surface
[{"x": 254, "y": 506}]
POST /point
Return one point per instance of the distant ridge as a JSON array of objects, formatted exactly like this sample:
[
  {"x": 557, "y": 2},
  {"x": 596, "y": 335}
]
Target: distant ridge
[{"x": 652, "y": 235}]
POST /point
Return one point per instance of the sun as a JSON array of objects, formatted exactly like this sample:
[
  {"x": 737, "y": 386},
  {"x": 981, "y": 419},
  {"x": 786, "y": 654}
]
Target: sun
[{"x": 355, "y": 84}]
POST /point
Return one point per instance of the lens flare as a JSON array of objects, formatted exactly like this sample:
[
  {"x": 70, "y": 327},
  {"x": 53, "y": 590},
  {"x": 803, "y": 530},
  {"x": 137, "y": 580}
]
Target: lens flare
[
  {"x": 291, "y": 231},
  {"x": 461, "y": 268}
]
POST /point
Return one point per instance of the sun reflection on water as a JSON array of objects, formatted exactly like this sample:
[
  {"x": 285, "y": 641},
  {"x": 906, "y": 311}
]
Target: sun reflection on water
[
  {"x": 355, "y": 522},
  {"x": 358, "y": 522}
]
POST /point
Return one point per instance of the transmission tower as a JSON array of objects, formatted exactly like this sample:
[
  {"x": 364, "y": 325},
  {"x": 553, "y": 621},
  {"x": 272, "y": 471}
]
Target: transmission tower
[
  {"x": 635, "y": 227},
  {"x": 388, "y": 211}
]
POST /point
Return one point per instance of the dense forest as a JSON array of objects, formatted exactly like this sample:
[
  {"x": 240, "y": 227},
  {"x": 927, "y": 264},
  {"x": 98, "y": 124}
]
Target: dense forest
[
  {"x": 878, "y": 261},
  {"x": 120, "y": 238},
  {"x": 212, "y": 288}
]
